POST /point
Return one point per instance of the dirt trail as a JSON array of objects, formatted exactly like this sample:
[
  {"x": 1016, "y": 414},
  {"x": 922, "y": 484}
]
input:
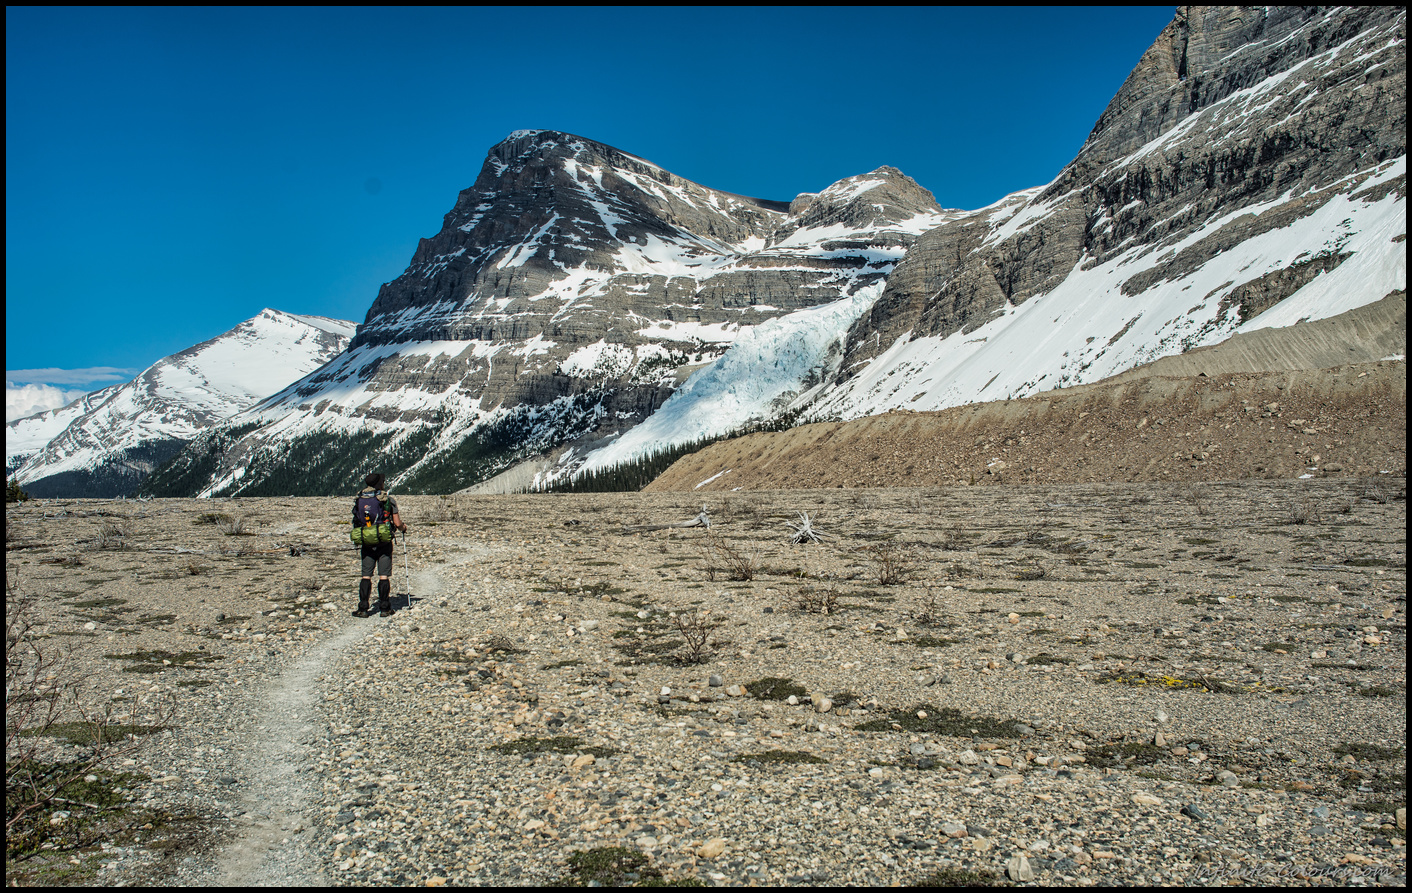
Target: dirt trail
[{"x": 269, "y": 849}]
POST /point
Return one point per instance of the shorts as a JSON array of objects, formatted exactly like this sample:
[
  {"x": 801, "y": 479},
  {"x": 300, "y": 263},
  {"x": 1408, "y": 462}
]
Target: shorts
[{"x": 380, "y": 555}]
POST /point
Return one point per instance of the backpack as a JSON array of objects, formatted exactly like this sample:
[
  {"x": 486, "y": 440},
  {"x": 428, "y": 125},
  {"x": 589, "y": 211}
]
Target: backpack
[{"x": 371, "y": 524}]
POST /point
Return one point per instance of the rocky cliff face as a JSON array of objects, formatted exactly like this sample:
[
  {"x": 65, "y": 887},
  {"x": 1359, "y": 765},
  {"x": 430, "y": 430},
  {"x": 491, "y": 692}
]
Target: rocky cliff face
[
  {"x": 1236, "y": 124},
  {"x": 568, "y": 293}
]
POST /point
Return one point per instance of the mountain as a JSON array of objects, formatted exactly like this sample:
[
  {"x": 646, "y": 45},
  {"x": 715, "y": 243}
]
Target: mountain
[
  {"x": 569, "y": 292},
  {"x": 583, "y": 305},
  {"x": 1251, "y": 172},
  {"x": 105, "y": 443}
]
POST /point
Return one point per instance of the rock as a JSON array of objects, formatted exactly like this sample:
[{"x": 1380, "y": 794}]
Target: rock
[
  {"x": 1192, "y": 810},
  {"x": 1162, "y": 716},
  {"x": 715, "y": 681},
  {"x": 823, "y": 705},
  {"x": 952, "y": 829},
  {"x": 968, "y": 758},
  {"x": 712, "y": 848},
  {"x": 1017, "y": 868},
  {"x": 1159, "y": 739},
  {"x": 1147, "y": 800},
  {"x": 735, "y": 691}
]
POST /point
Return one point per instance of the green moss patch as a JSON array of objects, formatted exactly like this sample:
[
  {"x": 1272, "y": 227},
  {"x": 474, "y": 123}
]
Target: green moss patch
[
  {"x": 556, "y": 744},
  {"x": 1374, "y": 691},
  {"x": 775, "y": 688},
  {"x": 1045, "y": 659},
  {"x": 1120, "y": 755},
  {"x": 86, "y": 734},
  {"x": 778, "y": 756},
  {"x": 929, "y": 641},
  {"x": 1374, "y": 752},
  {"x": 959, "y": 877},
  {"x": 943, "y": 721},
  {"x": 109, "y": 602},
  {"x": 152, "y": 661},
  {"x": 1139, "y": 679},
  {"x": 615, "y": 866}
]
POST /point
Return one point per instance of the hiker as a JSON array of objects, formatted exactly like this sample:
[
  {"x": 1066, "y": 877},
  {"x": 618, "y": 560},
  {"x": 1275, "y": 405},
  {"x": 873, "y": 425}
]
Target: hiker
[{"x": 374, "y": 518}]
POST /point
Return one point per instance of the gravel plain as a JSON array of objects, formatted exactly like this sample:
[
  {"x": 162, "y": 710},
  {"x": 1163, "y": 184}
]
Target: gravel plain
[{"x": 1077, "y": 685}]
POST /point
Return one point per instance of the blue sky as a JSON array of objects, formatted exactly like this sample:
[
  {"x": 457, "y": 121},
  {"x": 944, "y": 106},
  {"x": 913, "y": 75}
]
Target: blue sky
[{"x": 171, "y": 172}]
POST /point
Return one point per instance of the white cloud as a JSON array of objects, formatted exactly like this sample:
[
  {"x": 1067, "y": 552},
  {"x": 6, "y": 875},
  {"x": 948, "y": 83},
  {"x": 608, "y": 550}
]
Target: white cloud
[
  {"x": 26, "y": 400},
  {"x": 100, "y": 375}
]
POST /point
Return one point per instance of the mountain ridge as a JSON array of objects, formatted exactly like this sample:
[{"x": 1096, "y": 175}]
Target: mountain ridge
[
  {"x": 105, "y": 443},
  {"x": 583, "y": 302}
]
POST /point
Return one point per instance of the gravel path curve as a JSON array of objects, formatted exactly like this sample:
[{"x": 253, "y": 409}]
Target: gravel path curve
[{"x": 267, "y": 851}]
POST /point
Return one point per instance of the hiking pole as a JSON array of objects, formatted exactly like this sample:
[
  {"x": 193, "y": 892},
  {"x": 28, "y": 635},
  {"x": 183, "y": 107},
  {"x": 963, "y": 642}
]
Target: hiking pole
[{"x": 406, "y": 574}]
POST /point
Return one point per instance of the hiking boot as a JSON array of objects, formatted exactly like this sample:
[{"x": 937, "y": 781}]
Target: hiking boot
[
  {"x": 362, "y": 611},
  {"x": 385, "y": 612},
  {"x": 384, "y": 608}
]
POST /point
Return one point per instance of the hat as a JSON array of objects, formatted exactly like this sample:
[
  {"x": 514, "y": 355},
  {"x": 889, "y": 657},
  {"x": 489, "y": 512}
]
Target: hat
[{"x": 375, "y": 481}]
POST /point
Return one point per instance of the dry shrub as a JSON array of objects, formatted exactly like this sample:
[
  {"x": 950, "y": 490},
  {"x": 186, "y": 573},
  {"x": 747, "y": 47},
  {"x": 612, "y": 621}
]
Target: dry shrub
[
  {"x": 239, "y": 526},
  {"x": 42, "y": 708},
  {"x": 895, "y": 562},
  {"x": 1305, "y": 512},
  {"x": 735, "y": 563},
  {"x": 113, "y": 535},
  {"x": 818, "y": 599},
  {"x": 695, "y": 628}
]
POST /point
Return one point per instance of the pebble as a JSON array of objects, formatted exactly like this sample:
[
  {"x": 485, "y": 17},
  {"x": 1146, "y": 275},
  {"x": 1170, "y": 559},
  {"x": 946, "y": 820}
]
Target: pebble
[{"x": 1018, "y": 869}]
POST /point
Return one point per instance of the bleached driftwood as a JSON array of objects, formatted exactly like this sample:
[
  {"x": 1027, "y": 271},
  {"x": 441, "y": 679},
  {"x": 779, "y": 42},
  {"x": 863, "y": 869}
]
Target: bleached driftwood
[
  {"x": 701, "y": 520},
  {"x": 804, "y": 531}
]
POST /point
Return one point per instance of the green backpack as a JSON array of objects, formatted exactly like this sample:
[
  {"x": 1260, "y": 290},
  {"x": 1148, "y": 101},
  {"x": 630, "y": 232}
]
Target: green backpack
[{"x": 371, "y": 524}]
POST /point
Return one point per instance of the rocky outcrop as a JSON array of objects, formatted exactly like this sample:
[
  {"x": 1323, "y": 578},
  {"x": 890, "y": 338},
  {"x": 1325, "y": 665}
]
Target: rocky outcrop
[
  {"x": 1230, "y": 109},
  {"x": 572, "y": 274}
]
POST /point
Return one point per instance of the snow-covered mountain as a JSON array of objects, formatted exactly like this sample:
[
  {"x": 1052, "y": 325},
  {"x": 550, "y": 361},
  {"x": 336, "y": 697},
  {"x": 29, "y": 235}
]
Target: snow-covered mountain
[
  {"x": 1251, "y": 173},
  {"x": 583, "y": 302},
  {"x": 106, "y": 442},
  {"x": 569, "y": 292}
]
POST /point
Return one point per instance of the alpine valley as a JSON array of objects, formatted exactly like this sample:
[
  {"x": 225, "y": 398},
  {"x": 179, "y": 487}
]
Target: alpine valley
[{"x": 581, "y": 308}]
